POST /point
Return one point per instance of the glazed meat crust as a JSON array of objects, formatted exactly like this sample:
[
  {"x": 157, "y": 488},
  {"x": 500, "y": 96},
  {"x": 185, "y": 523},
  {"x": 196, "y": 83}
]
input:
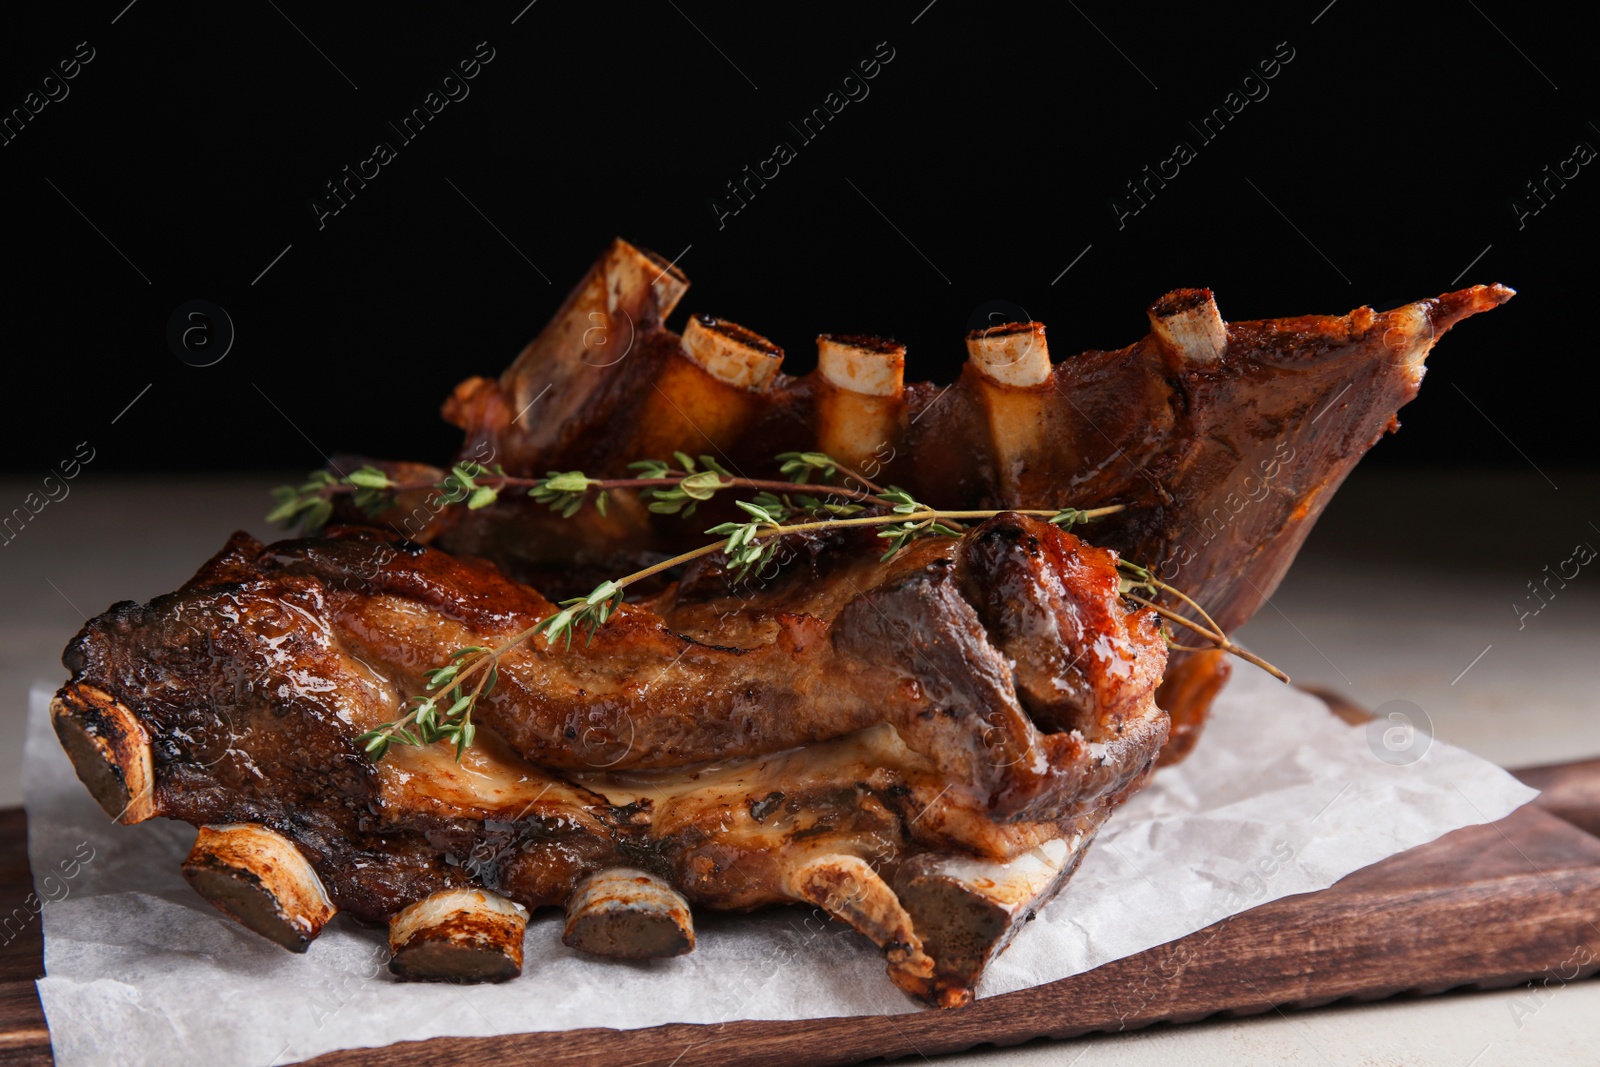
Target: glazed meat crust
[
  {"x": 346, "y": 628},
  {"x": 850, "y": 707}
]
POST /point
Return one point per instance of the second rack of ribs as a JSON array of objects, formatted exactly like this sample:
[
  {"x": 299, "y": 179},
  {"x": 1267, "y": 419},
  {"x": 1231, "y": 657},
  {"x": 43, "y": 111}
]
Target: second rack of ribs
[{"x": 975, "y": 697}]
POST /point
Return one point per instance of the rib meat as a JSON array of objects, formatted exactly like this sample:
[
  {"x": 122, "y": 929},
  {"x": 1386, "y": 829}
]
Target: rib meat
[{"x": 987, "y": 700}]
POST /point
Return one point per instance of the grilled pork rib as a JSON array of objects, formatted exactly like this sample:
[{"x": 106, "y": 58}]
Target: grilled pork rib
[
  {"x": 1224, "y": 440},
  {"x": 912, "y": 745}
]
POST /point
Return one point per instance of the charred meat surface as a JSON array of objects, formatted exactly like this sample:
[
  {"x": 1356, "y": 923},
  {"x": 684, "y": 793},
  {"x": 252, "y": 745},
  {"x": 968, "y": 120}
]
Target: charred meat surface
[{"x": 979, "y": 697}]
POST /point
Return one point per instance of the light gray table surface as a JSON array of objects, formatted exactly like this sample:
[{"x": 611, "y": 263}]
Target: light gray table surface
[{"x": 1411, "y": 588}]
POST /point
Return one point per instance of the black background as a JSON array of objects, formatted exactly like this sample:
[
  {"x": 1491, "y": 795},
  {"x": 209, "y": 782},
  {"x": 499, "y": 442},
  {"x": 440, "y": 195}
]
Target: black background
[{"x": 1385, "y": 159}]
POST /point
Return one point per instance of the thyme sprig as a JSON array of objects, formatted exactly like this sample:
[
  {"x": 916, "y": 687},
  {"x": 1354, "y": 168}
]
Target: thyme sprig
[
  {"x": 749, "y": 545},
  {"x": 665, "y": 488},
  {"x": 438, "y": 716},
  {"x": 799, "y": 466},
  {"x": 1141, "y": 578},
  {"x": 777, "y": 509}
]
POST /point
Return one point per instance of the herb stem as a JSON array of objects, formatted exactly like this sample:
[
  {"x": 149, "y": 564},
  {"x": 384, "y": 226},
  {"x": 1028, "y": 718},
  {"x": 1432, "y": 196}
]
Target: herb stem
[
  {"x": 1090, "y": 513},
  {"x": 1215, "y": 637},
  {"x": 748, "y": 544},
  {"x": 1181, "y": 595},
  {"x": 507, "y": 481},
  {"x": 781, "y": 530},
  {"x": 859, "y": 477},
  {"x": 924, "y": 517}
]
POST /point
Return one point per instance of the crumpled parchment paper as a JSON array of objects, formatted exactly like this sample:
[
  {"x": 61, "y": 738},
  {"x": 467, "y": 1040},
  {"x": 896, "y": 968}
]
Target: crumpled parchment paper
[{"x": 1279, "y": 798}]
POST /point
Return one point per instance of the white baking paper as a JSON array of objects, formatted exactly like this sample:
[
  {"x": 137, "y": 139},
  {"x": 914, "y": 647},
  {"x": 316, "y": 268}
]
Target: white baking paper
[{"x": 1279, "y": 798}]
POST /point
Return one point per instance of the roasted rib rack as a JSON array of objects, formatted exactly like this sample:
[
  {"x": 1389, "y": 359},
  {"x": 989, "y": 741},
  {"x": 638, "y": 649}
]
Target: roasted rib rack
[
  {"x": 922, "y": 746},
  {"x": 1224, "y": 440}
]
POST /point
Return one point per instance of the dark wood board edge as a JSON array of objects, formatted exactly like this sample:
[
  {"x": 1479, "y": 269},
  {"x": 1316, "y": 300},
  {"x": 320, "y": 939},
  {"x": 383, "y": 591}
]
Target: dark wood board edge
[
  {"x": 1569, "y": 790},
  {"x": 1341, "y": 705},
  {"x": 24, "y": 1037},
  {"x": 1517, "y": 913}
]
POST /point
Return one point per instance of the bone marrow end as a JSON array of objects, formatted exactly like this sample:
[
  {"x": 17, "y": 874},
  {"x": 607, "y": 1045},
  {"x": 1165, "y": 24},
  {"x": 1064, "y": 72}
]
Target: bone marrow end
[
  {"x": 1188, "y": 322},
  {"x": 1013, "y": 354},
  {"x": 870, "y": 366},
  {"x": 258, "y": 878},
  {"x": 628, "y": 914},
  {"x": 465, "y": 936},
  {"x": 109, "y": 750},
  {"x": 967, "y": 910},
  {"x": 731, "y": 354}
]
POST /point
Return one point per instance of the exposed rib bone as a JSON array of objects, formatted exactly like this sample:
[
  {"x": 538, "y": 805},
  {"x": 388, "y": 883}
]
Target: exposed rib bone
[
  {"x": 1012, "y": 354},
  {"x": 257, "y": 877},
  {"x": 847, "y": 888},
  {"x": 859, "y": 398},
  {"x": 731, "y": 354},
  {"x": 967, "y": 910},
  {"x": 630, "y": 914},
  {"x": 584, "y": 348},
  {"x": 109, "y": 750},
  {"x": 458, "y": 935},
  {"x": 667, "y": 282},
  {"x": 867, "y": 366},
  {"x": 627, "y": 288},
  {"x": 1013, "y": 365},
  {"x": 1408, "y": 339},
  {"x": 1187, "y": 320},
  {"x": 707, "y": 392}
]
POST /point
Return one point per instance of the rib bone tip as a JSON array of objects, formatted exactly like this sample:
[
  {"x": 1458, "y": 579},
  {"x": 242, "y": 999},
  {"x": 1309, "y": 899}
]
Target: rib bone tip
[
  {"x": 109, "y": 750},
  {"x": 731, "y": 354},
  {"x": 628, "y": 914},
  {"x": 641, "y": 272},
  {"x": 668, "y": 282},
  {"x": 1188, "y": 321},
  {"x": 967, "y": 909},
  {"x": 258, "y": 878},
  {"x": 1012, "y": 354},
  {"x": 872, "y": 366},
  {"x": 458, "y": 935},
  {"x": 848, "y": 888}
]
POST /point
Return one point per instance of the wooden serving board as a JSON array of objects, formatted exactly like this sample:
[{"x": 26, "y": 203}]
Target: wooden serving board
[{"x": 1482, "y": 907}]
